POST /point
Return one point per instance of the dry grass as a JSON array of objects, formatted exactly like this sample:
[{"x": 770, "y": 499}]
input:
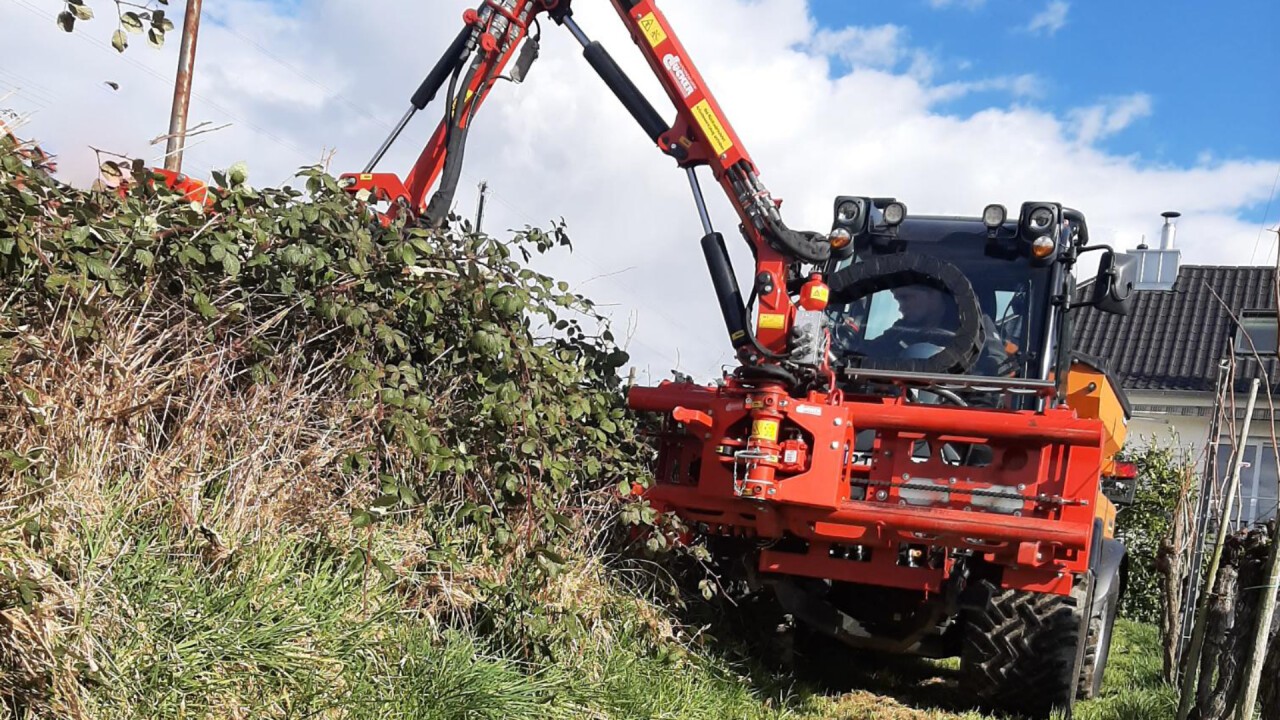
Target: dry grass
[
  {"x": 174, "y": 542},
  {"x": 154, "y": 403}
]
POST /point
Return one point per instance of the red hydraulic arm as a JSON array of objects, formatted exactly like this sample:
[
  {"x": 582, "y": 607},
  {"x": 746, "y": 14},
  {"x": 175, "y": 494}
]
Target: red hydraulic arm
[{"x": 699, "y": 135}]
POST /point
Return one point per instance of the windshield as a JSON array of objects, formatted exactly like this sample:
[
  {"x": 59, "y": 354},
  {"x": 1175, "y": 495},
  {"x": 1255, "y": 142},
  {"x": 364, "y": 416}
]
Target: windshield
[{"x": 915, "y": 321}]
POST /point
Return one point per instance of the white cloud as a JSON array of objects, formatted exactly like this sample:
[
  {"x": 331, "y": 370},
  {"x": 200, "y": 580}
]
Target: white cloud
[
  {"x": 559, "y": 145},
  {"x": 882, "y": 46},
  {"x": 1109, "y": 117},
  {"x": 1026, "y": 86},
  {"x": 1051, "y": 19}
]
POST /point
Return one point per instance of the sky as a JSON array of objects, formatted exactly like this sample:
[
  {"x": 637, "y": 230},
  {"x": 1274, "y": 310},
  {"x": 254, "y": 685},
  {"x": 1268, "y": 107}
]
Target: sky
[{"x": 1122, "y": 110}]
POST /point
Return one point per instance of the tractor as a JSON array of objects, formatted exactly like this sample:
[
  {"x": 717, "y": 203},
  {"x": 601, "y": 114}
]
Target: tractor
[{"x": 909, "y": 453}]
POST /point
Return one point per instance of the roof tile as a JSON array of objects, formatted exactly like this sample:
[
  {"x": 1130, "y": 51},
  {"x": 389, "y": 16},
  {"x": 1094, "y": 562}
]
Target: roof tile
[{"x": 1175, "y": 340}]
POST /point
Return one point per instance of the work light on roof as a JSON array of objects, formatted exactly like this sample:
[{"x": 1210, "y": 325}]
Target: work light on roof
[
  {"x": 895, "y": 213},
  {"x": 993, "y": 216}
]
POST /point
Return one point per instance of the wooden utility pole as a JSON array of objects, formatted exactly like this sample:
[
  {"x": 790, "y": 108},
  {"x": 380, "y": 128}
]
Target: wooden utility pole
[
  {"x": 484, "y": 190},
  {"x": 182, "y": 87},
  {"x": 1192, "y": 663}
]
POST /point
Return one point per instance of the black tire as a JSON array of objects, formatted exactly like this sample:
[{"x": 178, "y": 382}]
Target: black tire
[
  {"x": 1019, "y": 652},
  {"x": 1102, "y": 623}
]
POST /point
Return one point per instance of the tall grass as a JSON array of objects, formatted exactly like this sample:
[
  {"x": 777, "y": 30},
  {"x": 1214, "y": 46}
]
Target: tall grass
[{"x": 176, "y": 544}]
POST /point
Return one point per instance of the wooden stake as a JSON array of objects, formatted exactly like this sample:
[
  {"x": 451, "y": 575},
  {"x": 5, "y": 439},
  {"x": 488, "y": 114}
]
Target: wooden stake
[
  {"x": 1262, "y": 629},
  {"x": 1224, "y": 527}
]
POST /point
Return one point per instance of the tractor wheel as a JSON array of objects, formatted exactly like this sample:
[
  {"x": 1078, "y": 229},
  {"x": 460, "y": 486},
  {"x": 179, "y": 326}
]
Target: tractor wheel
[
  {"x": 1019, "y": 652},
  {"x": 1102, "y": 621}
]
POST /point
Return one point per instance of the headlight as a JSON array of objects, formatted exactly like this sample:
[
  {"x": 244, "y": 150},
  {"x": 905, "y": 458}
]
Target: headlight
[
  {"x": 1042, "y": 247},
  {"x": 1041, "y": 219},
  {"x": 848, "y": 212},
  {"x": 993, "y": 216},
  {"x": 895, "y": 213}
]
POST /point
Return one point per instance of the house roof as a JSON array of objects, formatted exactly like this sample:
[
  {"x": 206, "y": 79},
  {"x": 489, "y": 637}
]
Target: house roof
[{"x": 1175, "y": 340}]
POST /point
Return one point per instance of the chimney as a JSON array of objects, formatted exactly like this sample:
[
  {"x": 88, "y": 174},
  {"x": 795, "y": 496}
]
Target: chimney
[
  {"x": 1169, "y": 231},
  {"x": 1158, "y": 269}
]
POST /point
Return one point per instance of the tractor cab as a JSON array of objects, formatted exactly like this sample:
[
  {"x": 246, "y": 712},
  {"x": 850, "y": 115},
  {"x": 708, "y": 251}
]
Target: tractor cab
[
  {"x": 984, "y": 296},
  {"x": 990, "y": 310}
]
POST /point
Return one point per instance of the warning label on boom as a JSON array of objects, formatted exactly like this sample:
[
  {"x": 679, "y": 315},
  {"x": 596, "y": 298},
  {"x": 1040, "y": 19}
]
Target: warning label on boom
[
  {"x": 652, "y": 30},
  {"x": 712, "y": 128}
]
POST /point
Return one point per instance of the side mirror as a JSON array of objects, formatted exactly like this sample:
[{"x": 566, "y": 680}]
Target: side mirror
[{"x": 1113, "y": 288}]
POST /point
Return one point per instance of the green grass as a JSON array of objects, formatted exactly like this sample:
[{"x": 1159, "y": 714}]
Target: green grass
[
  {"x": 291, "y": 630},
  {"x": 1132, "y": 688}
]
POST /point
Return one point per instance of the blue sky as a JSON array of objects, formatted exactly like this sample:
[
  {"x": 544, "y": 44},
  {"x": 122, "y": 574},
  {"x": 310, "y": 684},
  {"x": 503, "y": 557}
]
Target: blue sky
[{"x": 1210, "y": 69}]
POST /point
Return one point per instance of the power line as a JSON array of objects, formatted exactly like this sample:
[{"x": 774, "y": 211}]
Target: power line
[{"x": 1265, "y": 214}]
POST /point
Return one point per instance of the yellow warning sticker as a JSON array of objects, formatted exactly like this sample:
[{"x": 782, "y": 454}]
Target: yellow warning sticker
[
  {"x": 712, "y": 128},
  {"x": 821, "y": 293},
  {"x": 772, "y": 321},
  {"x": 366, "y": 176},
  {"x": 652, "y": 30},
  {"x": 765, "y": 430}
]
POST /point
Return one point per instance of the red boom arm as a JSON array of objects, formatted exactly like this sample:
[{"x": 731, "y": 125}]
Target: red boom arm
[{"x": 700, "y": 135}]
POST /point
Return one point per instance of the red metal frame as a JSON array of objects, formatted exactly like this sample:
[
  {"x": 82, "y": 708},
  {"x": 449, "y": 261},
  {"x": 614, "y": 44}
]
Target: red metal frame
[
  {"x": 1029, "y": 507},
  {"x": 704, "y": 131}
]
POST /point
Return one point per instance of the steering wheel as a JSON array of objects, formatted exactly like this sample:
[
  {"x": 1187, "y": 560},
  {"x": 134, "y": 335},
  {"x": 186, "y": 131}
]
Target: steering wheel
[{"x": 961, "y": 349}]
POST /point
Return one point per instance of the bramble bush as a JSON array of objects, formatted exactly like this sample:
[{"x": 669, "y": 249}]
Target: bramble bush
[{"x": 493, "y": 389}]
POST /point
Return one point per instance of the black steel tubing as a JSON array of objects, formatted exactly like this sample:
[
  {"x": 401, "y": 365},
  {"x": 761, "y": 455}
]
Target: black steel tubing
[
  {"x": 726, "y": 287},
  {"x": 625, "y": 90},
  {"x": 448, "y": 62}
]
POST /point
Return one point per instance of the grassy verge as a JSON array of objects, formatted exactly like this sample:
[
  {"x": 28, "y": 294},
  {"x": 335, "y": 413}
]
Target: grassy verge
[{"x": 158, "y": 625}]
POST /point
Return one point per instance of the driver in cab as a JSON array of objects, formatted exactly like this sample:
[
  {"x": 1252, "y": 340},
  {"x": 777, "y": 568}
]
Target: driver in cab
[{"x": 929, "y": 320}]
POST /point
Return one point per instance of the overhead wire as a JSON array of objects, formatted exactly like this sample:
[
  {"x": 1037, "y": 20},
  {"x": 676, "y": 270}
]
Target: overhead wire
[{"x": 1266, "y": 214}]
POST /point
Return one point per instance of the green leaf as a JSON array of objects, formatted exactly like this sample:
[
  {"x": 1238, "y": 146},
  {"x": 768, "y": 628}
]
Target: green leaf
[
  {"x": 119, "y": 40},
  {"x": 552, "y": 555},
  {"x": 131, "y": 22},
  {"x": 82, "y": 11},
  {"x": 66, "y": 21},
  {"x": 155, "y": 36},
  {"x": 361, "y": 519}
]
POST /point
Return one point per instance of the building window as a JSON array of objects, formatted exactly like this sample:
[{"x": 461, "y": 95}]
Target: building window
[
  {"x": 1259, "y": 480},
  {"x": 1261, "y": 328}
]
